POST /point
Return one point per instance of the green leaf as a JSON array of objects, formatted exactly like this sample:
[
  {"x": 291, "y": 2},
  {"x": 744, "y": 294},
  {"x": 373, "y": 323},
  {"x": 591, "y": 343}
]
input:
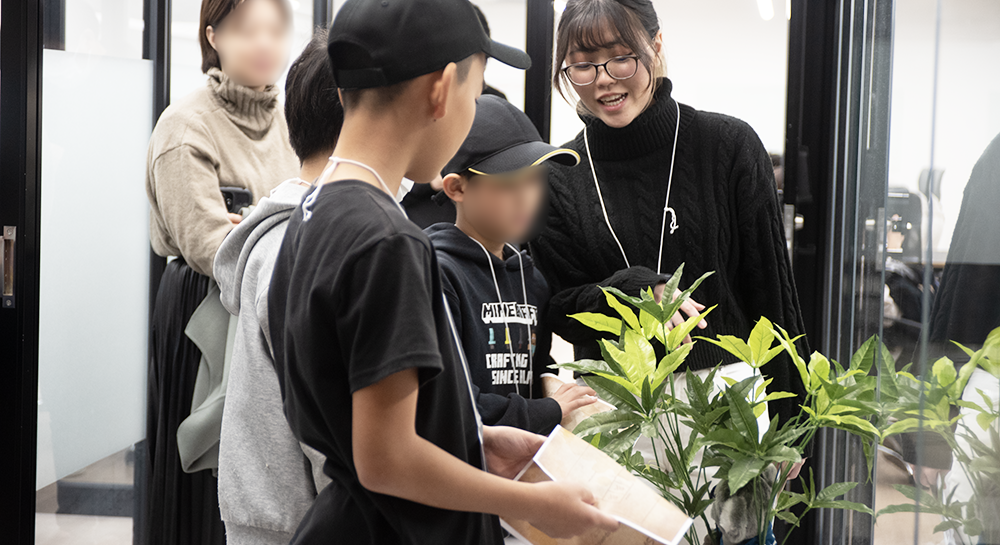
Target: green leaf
[
  {"x": 599, "y": 322},
  {"x": 985, "y": 420},
  {"x": 860, "y": 423},
  {"x": 789, "y": 346},
  {"x": 835, "y": 490},
  {"x": 647, "y": 396},
  {"x": 865, "y": 355},
  {"x": 778, "y": 395},
  {"x": 744, "y": 469},
  {"x": 782, "y": 453},
  {"x": 742, "y": 415},
  {"x": 819, "y": 368},
  {"x": 677, "y": 334},
  {"x": 734, "y": 345},
  {"x": 843, "y": 504},
  {"x": 947, "y": 525},
  {"x": 643, "y": 302},
  {"x": 651, "y": 327},
  {"x": 788, "y": 517},
  {"x": 626, "y": 313},
  {"x": 729, "y": 438},
  {"x": 641, "y": 354},
  {"x": 612, "y": 392},
  {"x": 609, "y": 421},
  {"x": 670, "y": 363},
  {"x": 587, "y": 367},
  {"x": 944, "y": 372},
  {"x": 760, "y": 342}
]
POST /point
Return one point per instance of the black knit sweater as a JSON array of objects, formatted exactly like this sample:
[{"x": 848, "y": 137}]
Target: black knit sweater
[{"x": 729, "y": 222}]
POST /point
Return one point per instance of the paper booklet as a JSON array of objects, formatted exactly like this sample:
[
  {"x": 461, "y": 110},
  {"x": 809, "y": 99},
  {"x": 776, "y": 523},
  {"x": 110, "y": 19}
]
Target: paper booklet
[
  {"x": 551, "y": 383},
  {"x": 646, "y": 518}
]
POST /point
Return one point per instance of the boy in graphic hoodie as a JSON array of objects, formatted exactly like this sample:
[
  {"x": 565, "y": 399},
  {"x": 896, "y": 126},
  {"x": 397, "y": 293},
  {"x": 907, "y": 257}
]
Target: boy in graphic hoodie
[
  {"x": 267, "y": 479},
  {"x": 497, "y": 182}
]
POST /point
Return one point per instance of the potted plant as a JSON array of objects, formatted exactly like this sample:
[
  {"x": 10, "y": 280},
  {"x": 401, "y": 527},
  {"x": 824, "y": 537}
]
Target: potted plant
[{"x": 702, "y": 428}]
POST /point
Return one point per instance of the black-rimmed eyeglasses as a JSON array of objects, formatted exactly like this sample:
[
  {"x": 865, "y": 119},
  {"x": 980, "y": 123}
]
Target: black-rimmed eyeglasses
[{"x": 585, "y": 73}]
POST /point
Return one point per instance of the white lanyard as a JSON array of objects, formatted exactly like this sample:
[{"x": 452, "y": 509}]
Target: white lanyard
[
  {"x": 666, "y": 205},
  {"x": 506, "y": 324},
  {"x": 328, "y": 171}
]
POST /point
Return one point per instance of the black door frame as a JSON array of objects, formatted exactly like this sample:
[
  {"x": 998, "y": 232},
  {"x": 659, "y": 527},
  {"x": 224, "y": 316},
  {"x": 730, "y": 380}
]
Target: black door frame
[
  {"x": 839, "y": 81},
  {"x": 20, "y": 189}
]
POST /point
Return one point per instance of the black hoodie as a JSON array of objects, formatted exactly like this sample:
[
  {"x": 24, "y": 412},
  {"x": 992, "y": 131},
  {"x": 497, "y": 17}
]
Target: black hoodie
[{"x": 499, "y": 370}]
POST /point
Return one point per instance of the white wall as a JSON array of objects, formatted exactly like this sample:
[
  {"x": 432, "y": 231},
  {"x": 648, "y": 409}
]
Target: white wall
[{"x": 968, "y": 105}]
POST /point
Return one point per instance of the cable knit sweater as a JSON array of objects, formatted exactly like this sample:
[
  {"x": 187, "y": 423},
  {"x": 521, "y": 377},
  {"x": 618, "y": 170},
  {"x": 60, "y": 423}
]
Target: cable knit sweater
[
  {"x": 729, "y": 222},
  {"x": 222, "y": 135}
]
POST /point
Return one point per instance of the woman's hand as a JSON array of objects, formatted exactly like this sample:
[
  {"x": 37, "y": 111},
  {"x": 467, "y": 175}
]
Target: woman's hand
[
  {"x": 235, "y": 218},
  {"x": 572, "y": 396},
  {"x": 690, "y": 307},
  {"x": 508, "y": 449}
]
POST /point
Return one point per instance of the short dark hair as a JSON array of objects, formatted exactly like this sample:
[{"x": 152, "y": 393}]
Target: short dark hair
[
  {"x": 380, "y": 97},
  {"x": 312, "y": 107},
  {"x": 213, "y": 12},
  {"x": 583, "y": 22}
]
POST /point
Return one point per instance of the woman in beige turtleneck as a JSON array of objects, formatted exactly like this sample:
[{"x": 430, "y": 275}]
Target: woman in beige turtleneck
[{"x": 230, "y": 133}]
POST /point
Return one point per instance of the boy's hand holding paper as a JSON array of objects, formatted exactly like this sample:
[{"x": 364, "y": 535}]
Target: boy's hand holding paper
[{"x": 645, "y": 517}]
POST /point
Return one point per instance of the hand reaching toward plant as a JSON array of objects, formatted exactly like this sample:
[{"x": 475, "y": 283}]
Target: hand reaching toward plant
[
  {"x": 572, "y": 396},
  {"x": 690, "y": 307}
]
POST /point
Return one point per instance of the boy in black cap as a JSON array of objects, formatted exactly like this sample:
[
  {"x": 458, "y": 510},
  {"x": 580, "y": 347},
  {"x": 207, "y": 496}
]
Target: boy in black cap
[
  {"x": 497, "y": 181},
  {"x": 371, "y": 374}
]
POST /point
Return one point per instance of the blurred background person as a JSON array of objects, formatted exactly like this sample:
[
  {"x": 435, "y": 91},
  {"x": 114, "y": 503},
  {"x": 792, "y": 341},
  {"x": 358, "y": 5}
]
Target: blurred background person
[
  {"x": 229, "y": 134},
  {"x": 966, "y": 310}
]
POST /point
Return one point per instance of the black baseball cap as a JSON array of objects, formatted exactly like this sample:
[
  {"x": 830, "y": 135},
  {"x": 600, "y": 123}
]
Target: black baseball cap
[
  {"x": 376, "y": 43},
  {"x": 504, "y": 140}
]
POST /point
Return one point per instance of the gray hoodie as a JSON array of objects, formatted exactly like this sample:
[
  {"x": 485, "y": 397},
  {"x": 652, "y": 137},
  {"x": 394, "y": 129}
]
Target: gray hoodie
[{"x": 267, "y": 479}]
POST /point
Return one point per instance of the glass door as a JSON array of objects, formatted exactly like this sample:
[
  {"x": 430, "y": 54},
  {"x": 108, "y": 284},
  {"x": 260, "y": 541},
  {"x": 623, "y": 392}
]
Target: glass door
[
  {"x": 911, "y": 255},
  {"x": 942, "y": 271},
  {"x": 97, "y": 99}
]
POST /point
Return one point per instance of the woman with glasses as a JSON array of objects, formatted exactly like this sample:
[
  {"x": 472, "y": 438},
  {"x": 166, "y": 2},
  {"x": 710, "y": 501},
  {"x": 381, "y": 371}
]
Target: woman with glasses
[
  {"x": 229, "y": 134},
  {"x": 660, "y": 184}
]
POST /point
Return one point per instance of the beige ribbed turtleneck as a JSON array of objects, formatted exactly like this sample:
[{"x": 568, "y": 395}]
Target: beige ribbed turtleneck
[{"x": 223, "y": 135}]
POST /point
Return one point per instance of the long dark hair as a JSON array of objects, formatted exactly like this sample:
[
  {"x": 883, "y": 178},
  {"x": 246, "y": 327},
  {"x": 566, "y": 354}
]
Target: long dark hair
[{"x": 583, "y": 24}]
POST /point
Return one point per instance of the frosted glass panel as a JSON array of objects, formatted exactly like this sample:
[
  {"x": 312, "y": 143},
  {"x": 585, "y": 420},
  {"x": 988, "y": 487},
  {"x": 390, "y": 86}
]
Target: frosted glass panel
[{"x": 95, "y": 260}]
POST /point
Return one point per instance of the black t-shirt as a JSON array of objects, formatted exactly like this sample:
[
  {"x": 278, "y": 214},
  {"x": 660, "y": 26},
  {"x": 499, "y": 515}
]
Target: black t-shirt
[{"x": 355, "y": 297}]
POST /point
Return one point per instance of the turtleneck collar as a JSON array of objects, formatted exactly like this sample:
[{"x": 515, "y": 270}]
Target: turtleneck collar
[
  {"x": 253, "y": 111},
  {"x": 651, "y": 131}
]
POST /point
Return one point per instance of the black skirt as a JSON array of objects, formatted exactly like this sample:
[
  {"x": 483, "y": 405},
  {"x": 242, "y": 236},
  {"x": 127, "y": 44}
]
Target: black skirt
[{"x": 179, "y": 508}]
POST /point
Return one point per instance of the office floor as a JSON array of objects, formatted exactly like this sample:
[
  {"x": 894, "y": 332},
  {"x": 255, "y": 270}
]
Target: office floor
[
  {"x": 897, "y": 529},
  {"x": 52, "y": 528}
]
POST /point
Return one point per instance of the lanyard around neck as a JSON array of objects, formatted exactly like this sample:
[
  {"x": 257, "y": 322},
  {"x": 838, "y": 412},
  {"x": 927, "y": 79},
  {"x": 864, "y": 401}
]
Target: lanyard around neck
[
  {"x": 666, "y": 204},
  {"x": 328, "y": 171}
]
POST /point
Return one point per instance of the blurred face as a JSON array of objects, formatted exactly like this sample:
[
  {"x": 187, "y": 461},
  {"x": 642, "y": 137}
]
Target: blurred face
[
  {"x": 503, "y": 208},
  {"x": 618, "y": 100},
  {"x": 452, "y": 123},
  {"x": 252, "y": 43}
]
